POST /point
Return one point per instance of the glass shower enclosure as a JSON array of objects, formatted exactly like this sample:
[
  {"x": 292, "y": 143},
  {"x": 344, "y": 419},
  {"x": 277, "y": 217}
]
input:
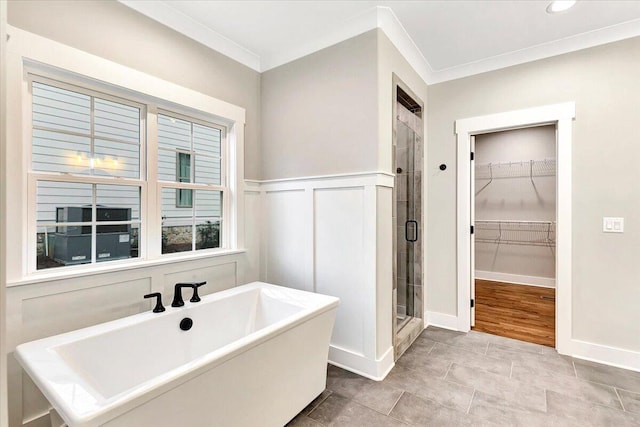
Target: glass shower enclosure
[
  {"x": 408, "y": 160},
  {"x": 408, "y": 231}
]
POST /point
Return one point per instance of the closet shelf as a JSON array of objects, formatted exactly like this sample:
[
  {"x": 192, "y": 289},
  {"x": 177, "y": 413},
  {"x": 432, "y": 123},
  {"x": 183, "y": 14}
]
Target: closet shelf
[
  {"x": 530, "y": 233},
  {"x": 516, "y": 169}
]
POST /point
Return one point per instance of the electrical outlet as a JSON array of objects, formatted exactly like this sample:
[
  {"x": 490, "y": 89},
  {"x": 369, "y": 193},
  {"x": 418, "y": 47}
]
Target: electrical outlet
[{"x": 612, "y": 225}]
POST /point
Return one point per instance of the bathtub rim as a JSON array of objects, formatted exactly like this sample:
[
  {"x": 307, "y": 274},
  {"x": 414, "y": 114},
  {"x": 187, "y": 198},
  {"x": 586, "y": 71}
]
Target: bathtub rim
[{"x": 118, "y": 404}]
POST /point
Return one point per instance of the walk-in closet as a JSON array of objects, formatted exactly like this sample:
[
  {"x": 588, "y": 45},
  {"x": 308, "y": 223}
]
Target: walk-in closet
[{"x": 514, "y": 210}]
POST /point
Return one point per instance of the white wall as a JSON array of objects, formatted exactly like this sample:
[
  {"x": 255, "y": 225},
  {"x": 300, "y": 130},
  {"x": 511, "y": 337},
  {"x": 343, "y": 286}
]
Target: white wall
[
  {"x": 515, "y": 198},
  {"x": 604, "y": 85}
]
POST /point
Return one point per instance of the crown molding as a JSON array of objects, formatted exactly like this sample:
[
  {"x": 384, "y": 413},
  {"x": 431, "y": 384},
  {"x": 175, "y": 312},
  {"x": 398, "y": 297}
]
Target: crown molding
[
  {"x": 178, "y": 21},
  {"x": 389, "y": 23},
  {"x": 383, "y": 18},
  {"x": 376, "y": 17},
  {"x": 574, "y": 43}
]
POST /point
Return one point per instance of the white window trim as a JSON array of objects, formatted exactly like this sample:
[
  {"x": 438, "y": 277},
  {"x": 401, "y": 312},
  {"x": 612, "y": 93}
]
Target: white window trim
[
  {"x": 29, "y": 52},
  {"x": 227, "y": 205},
  {"x": 32, "y": 75}
]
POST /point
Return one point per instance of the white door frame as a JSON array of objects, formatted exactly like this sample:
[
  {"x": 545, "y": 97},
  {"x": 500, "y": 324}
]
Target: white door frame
[{"x": 561, "y": 115}]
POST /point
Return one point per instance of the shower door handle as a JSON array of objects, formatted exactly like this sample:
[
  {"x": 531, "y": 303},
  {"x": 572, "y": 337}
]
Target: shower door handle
[{"x": 406, "y": 231}]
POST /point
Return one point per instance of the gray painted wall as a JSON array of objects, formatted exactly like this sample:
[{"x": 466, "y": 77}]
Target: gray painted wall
[
  {"x": 604, "y": 83},
  {"x": 319, "y": 113},
  {"x": 331, "y": 112},
  {"x": 120, "y": 34}
]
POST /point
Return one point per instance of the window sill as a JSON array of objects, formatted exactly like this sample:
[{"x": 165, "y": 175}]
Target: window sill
[{"x": 114, "y": 266}]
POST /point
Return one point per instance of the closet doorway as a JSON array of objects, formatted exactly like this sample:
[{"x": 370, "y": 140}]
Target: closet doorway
[
  {"x": 560, "y": 115},
  {"x": 513, "y": 255}
]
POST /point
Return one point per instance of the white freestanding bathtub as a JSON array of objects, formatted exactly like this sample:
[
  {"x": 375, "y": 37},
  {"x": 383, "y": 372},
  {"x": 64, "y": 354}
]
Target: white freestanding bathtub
[{"x": 255, "y": 356}]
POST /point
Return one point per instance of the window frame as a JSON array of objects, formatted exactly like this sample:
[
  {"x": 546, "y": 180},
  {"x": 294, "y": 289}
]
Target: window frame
[
  {"x": 223, "y": 187},
  {"x": 149, "y": 247},
  {"x": 29, "y": 52},
  {"x": 33, "y": 176}
]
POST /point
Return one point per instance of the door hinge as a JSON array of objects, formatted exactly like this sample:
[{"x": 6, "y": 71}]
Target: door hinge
[
  {"x": 473, "y": 303},
  {"x": 473, "y": 155},
  {"x": 472, "y": 229}
]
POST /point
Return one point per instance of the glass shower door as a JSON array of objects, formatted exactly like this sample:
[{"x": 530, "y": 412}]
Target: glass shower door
[{"x": 407, "y": 234}]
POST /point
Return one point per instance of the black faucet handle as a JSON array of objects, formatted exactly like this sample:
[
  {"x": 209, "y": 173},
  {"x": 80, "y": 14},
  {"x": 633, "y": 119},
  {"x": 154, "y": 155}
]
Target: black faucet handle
[
  {"x": 159, "y": 308},
  {"x": 196, "y": 297}
]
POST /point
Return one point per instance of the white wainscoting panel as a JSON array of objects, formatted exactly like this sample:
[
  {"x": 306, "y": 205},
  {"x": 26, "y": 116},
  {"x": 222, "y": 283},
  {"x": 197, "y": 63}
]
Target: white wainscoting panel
[
  {"x": 339, "y": 261},
  {"x": 252, "y": 226},
  {"x": 320, "y": 234},
  {"x": 384, "y": 264},
  {"x": 286, "y": 247}
]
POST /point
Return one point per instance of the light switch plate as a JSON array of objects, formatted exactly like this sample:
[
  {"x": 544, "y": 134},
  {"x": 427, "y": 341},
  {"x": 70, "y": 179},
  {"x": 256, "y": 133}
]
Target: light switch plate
[{"x": 612, "y": 225}]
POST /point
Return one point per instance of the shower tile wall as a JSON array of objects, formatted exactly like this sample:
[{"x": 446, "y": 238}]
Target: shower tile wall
[{"x": 402, "y": 155}]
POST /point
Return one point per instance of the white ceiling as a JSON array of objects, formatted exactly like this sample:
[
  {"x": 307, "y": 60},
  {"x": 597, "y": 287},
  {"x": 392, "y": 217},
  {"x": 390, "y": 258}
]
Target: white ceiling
[{"x": 442, "y": 39}]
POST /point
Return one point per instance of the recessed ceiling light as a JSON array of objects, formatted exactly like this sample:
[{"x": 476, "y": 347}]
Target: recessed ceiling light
[{"x": 560, "y": 5}]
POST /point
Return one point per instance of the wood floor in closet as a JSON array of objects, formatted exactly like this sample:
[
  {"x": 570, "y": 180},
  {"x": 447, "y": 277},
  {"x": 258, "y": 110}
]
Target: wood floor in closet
[{"x": 522, "y": 312}]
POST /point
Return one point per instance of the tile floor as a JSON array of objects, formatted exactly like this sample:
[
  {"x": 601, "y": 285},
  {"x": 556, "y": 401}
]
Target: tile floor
[{"x": 451, "y": 378}]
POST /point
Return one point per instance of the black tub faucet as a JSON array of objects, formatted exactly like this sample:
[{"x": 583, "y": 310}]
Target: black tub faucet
[
  {"x": 177, "y": 293},
  {"x": 159, "y": 308}
]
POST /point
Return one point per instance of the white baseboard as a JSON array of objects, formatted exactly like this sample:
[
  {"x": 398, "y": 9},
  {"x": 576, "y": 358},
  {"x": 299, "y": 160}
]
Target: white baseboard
[
  {"x": 516, "y": 279},
  {"x": 607, "y": 355},
  {"x": 441, "y": 320},
  {"x": 358, "y": 364}
]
